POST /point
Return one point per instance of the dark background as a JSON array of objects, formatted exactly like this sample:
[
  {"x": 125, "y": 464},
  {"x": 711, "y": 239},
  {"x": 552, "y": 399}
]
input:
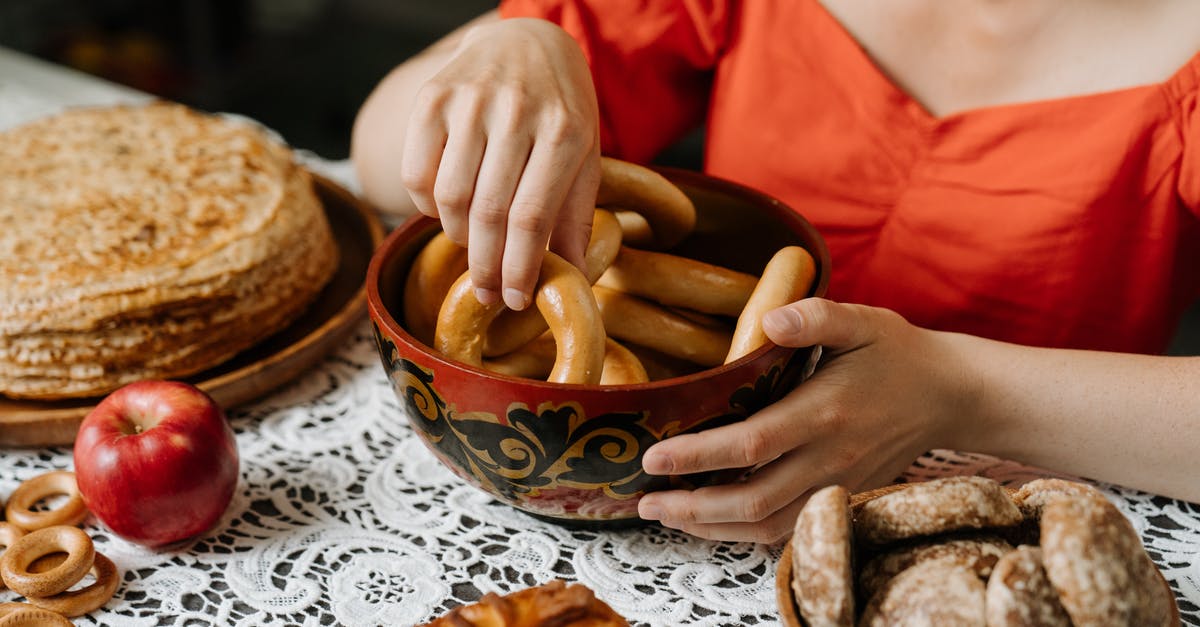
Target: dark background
[{"x": 302, "y": 67}]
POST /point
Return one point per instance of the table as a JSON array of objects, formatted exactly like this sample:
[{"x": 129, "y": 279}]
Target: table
[{"x": 343, "y": 517}]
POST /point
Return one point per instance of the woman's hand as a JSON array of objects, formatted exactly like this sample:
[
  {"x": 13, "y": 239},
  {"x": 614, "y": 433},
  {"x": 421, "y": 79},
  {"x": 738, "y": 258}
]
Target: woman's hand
[
  {"x": 883, "y": 395},
  {"x": 503, "y": 146}
]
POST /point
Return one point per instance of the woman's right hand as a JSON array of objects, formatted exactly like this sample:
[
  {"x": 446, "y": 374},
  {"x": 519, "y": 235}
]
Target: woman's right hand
[{"x": 503, "y": 147}]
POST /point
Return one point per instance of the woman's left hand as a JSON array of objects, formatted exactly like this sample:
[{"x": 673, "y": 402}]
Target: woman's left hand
[{"x": 885, "y": 393}]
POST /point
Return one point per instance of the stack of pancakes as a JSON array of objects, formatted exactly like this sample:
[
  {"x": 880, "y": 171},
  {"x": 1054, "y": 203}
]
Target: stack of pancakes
[{"x": 147, "y": 242}]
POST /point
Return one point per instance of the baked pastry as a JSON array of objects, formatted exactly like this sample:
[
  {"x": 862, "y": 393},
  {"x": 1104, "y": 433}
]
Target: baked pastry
[
  {"x": 554, "y": 604},
  {"x": 1095, "y": 560},
  {"x": 147, "y": 241},
  {"x": 1033, "y": 496},
  {"x": 1018, "y": 593},
  {"x": 935, "y": 592},
  {"x": 977, "y": 554},
  {"x": 821, "y": 559},
  {"x": 934, "y": 507}
]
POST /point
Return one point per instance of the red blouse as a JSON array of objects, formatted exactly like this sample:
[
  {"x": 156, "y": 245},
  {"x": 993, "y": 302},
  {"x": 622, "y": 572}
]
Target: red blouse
[{"x": 1072, "y": 222}]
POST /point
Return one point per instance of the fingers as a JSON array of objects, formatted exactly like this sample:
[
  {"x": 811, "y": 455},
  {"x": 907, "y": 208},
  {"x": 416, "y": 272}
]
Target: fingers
[
  {"x": 771, "y": 530},
  {"x": 423, "y": 147},
  {"x": 814, "y": 321},
  {"x": 488, "y": 221},
  {"x": 570, "y": 237}
]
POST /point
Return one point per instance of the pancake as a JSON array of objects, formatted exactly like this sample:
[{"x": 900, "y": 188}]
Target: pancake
[{"x": 149, "y": 242}]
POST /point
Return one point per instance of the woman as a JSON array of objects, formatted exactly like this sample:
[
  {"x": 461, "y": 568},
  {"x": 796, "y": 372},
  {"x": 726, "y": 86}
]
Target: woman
[{"x": 1010, "y": 191}]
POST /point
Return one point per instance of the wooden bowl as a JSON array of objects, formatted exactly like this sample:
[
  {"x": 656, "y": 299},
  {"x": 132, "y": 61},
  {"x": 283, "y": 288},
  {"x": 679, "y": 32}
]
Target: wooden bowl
[
  {"x": 572, "y": 453},
  {"x": 785, "y": 598}
]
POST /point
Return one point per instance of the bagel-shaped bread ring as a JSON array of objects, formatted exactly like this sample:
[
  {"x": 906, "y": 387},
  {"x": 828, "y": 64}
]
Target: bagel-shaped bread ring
[
  {"x": 535, "y": 360},
  {"x": 514, "y": 329},
  {"x": 621, "y": 366},
  {"x": 786, "y": 279},
  {"x": 635, "y": 231},
  {"x": 26, "y": 615},
  {"x": 669, "y": 212},
  {"x": 72, "y": 512},
  {"x": 433, "y": 271},
  {"x": 14, "y": 564},
  {"x": 9, "y": 533},
  {"x": 89, "y": 598},
  {"x": 679, "y": 282},
  {"x": 642, "y": 322},
  {"x": 563, "y": 297}
]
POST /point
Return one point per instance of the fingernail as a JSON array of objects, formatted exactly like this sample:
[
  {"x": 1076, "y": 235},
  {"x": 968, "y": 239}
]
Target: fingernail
[
  {"x": 485, "y": 296},
  {"x": 515, "y": 299},
  {"x": 657, "y": 463},
  {"x": 650, "y": 512},
  {"x": 784, "y": 321}
]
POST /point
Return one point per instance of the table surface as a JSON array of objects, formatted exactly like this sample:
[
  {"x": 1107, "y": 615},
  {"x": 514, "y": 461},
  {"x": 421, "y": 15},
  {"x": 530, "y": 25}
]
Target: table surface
[{"x": 343, "y": 517}]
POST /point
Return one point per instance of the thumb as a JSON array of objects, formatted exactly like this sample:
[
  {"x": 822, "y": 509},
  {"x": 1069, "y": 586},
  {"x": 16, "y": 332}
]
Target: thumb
[{"x": 815, "y": 321}]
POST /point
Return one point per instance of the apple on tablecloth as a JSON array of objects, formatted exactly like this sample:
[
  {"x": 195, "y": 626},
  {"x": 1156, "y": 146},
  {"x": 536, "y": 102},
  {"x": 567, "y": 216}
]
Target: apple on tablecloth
[{"x": 157, "y": 462}]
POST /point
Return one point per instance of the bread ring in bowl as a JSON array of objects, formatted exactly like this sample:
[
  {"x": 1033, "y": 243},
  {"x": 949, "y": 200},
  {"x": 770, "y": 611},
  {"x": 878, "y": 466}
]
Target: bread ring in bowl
[
  {"x": 786, "y": 279},
  {"x": 564, "y": 298},
  {"x": 647, "y": 324},
  {"x": 536, "y": 359},
  {"x": 679, "y": 282},
  {"x": 434, "y": 270},
  {"x": 669, "y": 212}
]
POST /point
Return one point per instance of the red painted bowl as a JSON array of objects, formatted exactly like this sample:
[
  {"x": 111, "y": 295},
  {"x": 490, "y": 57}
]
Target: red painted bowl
[{"x": 573, "y": 453}]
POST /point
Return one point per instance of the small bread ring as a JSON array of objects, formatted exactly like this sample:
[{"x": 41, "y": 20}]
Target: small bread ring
[
  {"x": 14, "y": 564},
  {"x": 9, "y": 533},
  {"x": 88, "y": 599},
  {"x": 535, "y": 360},
  {"x": 679, "y": 282},
  {"x": 563, "y": 297},
  {"x": 30, "y": 492},
  {"x": 433, "y": 271},
  {"x": 635, "y": 231},
  {"x": 786, "y": 279},
  {"x": 26, "y": 615},
  {"x": 621, "y": 366},
  {"x": 669, "y": 211},
  {"x": 642, "y": 322},
  {"x": 514, "y": 329}
]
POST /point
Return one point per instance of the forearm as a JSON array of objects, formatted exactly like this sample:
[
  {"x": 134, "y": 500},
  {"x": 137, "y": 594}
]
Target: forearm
[
  {"x": 377, "y": 142},
  {"x": 1128, "y": 419}
]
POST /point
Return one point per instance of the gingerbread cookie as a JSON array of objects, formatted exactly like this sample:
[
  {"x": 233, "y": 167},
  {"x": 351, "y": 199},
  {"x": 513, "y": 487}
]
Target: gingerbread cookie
[
  {"x": 934, "y": 507},
  {"x": 1095, "y": 560},
  {"x": 1019, "y": 594},
  {"x": 1032, "y": 496},
  {"x": 978, "y": 554},
  {"x": 822, "y": 578},
  {"x": 935, "y": 592}
]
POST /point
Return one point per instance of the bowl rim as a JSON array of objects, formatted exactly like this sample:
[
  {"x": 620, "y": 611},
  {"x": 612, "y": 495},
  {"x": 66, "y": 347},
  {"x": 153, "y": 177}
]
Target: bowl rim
[{"x": 417, "y": 223}]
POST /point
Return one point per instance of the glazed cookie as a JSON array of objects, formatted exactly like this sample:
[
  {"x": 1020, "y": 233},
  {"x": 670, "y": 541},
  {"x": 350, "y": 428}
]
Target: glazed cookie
[
  {"x": 1095, "y": 560},
  {"x": 823, "y": 579},
  {"x": 978, "y": 554},
  {"x": 934, "y": 507},
  {"x": 936, "y": 592},
  {"x": 1032, "y": 496},
  {"x": 1019, "y": 594}
]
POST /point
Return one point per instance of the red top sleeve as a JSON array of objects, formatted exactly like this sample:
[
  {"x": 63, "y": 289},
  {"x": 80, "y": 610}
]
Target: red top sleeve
[
  {"x": 1187, "y": 91},
  {"x": 651, "y": 61}
]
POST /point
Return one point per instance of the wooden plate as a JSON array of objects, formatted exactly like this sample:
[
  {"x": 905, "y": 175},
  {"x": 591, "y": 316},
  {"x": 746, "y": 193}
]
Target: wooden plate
[
  {"x": 261, "y": 368},
  {"x": 785, "y": 598}
]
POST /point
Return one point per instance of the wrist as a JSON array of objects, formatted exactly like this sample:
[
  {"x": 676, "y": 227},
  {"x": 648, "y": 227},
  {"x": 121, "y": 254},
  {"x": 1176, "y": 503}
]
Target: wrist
[{"x": 961, "y": 420}]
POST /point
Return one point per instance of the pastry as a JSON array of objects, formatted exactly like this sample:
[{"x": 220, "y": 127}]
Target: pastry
[
  {"x": 823, "y": 579},
  {"x": 1018, "y": 593},
  {"x": 935, "y": 592},
  {"x": 934, "y": 507},
  {"x": 554, "y": 604},
  {"x": 977, "y": 554}
]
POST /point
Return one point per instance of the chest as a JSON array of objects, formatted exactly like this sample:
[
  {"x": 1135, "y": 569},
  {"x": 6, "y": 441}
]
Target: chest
[{"x": 952, "y": 56}]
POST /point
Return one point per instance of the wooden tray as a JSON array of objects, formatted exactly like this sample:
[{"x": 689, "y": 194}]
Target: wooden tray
[{"x": 261, "y": 368}]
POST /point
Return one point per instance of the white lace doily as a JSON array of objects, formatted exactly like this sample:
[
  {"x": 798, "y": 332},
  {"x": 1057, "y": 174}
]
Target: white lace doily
[{"x": 342, "y": 517}]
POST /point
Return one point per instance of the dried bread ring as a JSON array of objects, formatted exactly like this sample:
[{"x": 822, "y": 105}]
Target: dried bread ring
[
  {"x": 935, "y": 592},
  {"x": 554, "y": 603},
  {"x": 535, "y": 360},
  {"x": 433, "y": 271},
  {"x": 786, "y": 279},
  {"x": 621, "y": 366},
  {"x": 635, "y": 231},
  {"x": 26, "y": 615},
  {"x": 933, "y": 507},
  {"x": 72, "y": 512},
  {"x": 89, "y": 598},
  {"x": 564, "y": 298},
  {"x": 679, "y": 282},
  {"x": 1096, "y": 562},
  {"x": 669, "y": 212},
  {"x": 514, "y": 329},
  {"x": 978, "y": 554},
  {"x": 822, "y": 575},
  {"x": 1019, "y": 594},
  {"x": 15, "y": 563},
  {"x": 9, "y": 533},
  {"x": 642, "y": 322}
]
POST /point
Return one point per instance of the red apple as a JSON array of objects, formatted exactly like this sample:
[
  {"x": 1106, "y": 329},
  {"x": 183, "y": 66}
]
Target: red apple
[{"x": 156, "y": 462}]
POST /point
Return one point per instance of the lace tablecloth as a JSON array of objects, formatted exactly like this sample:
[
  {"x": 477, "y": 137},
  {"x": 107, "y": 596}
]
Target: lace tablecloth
[{"x": 343, "y": 518}]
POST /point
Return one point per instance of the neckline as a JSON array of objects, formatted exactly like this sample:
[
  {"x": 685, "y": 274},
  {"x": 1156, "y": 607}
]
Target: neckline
[{"x": 920, "y": 110}]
